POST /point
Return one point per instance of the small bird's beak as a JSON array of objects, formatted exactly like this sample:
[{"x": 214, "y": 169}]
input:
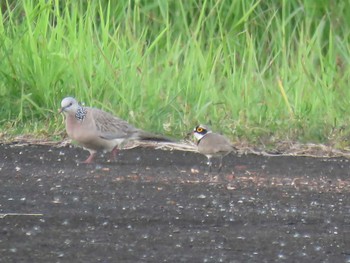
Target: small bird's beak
[{"x": 189, "y": 134}]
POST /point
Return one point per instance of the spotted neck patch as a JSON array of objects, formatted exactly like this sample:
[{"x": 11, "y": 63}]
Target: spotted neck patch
[{"x": 81, "y": 113}]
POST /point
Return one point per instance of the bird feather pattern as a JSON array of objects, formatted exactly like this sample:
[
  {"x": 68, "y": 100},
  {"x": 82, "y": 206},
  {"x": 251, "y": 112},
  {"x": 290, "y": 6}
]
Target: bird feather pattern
[
  {"x": 110, "y": 127},
  {"x": 97, "y": 130}
]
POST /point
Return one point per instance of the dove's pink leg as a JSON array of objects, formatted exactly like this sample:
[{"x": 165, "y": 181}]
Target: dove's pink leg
[
  {"x": 90, "y": 159},
  {"x": 114, "y": 152}
]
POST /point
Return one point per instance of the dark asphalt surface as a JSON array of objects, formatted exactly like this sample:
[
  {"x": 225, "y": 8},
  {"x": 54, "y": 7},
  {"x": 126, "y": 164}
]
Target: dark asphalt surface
[{"x": 161, "y": 206}]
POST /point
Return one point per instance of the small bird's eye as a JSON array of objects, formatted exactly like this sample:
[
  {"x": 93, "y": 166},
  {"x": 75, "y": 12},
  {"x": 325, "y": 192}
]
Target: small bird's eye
[{"x": 199, "y": 129}]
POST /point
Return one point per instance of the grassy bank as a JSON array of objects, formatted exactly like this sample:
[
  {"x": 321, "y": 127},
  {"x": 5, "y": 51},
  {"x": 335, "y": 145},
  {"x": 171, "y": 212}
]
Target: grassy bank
[{"x": 261, "y": 71}]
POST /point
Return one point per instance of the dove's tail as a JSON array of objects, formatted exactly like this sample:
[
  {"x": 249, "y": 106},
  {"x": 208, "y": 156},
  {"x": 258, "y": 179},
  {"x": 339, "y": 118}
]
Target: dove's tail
[{"x": 148, "y": 136}]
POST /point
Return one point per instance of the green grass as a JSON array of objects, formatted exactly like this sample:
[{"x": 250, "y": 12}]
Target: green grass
[{"x": 260, "y": 71}]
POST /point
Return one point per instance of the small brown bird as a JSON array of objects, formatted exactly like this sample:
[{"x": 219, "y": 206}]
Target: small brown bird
[
  {"x": 97, "y": 130},
  {"x": 212, "y": 144}
]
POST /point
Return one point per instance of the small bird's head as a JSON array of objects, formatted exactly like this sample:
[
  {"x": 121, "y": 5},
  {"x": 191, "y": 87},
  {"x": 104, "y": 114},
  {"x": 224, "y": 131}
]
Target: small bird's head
[
  {"x": 200, "y": 131},
  {"x": 69, "y": 104}
]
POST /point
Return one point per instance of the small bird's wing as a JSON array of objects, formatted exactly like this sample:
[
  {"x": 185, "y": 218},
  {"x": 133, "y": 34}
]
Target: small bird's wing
[
  {"x": 110, "y": 127},
  {"x": 223, "y": 146},
  {"x": 215, "y": 143},
  {"x": 226, "y": 144}
]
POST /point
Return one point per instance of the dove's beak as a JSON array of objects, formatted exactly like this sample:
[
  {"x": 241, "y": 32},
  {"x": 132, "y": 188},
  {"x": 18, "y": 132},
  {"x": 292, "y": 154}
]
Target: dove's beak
[{"x": 60, "y": 110}]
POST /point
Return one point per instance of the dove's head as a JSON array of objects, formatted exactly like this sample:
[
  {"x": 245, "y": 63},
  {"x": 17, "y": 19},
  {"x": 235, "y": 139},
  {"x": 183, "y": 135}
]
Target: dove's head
[{"x": 69, "y": 105}]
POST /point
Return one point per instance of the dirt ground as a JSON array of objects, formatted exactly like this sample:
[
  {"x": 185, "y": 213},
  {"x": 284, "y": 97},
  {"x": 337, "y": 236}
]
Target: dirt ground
[{"x": 162, "y": 206}]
